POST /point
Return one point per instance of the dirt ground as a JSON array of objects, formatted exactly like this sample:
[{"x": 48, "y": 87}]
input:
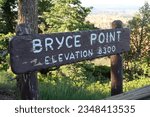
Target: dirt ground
[{"x": 7, "y": 95}]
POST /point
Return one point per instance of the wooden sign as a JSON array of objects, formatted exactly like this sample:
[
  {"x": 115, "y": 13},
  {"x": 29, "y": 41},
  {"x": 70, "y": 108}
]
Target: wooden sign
[{"x": 35, "y": 52}]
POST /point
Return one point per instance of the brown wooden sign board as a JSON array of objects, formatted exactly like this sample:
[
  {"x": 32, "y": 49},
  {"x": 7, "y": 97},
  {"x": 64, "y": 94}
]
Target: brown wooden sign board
[{"x": 35, "y": 52}]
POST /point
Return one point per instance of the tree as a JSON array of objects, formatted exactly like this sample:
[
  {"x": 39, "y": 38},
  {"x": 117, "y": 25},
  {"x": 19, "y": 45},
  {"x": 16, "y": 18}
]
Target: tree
[
  {"x": 44, "y": 6},
  {"x": 66, "y": 15},
  {"x": 7, "y": 24},
  {"x": 27, "y": 24},
  {"x": 140, "y": 27},
  {"x": 7, "y": 16},
  {"x": 140, "y": 41},
  {"x": 8, "y": 13}
]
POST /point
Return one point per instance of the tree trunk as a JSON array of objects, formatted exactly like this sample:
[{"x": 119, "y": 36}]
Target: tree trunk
[{"x": 27, "y": 24}]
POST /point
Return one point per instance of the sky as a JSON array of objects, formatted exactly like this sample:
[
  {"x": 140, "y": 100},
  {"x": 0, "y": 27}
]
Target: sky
[{"x": 114, "y": 4}]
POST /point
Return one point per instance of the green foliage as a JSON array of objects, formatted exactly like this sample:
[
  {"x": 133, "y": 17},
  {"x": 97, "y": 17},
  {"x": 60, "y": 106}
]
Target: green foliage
[
  {"x": 62, "y": 87},
  {"x": 2, "y": 2},
  {"x": 4, "y": 57},
  {"x": 84, "y": 80},
  {"x": 75, "y": 81},
  {"x": 67, "y": 88},
  {"x": 140, "y": 32},
  {"x": 8, "y": 16},
  {"x": 57, "y": 86},
  {"x": 7, "y": 85},
  {"x": 137, "y": 69},
  {"x": 137, "y": 60},
  {"x": 93, "y": 72},
  {"x": 44, "y": 6},
  {"x": 138, "y": 83},
  {"x": 65, "y": 15}
]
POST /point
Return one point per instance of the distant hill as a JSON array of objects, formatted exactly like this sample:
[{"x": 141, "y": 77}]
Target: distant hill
[
  {"x": 103, "y": 19},
  {"x": 119, "y": 10}
]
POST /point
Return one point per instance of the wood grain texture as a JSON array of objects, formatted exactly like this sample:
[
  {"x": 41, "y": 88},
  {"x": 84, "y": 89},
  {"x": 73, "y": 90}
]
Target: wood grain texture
[
  {"x": 140, "y": 93},
  {"x": 28, "y": 14},
  {"x": 27, "y": 24},
  {"x": 116, "y": 66}
]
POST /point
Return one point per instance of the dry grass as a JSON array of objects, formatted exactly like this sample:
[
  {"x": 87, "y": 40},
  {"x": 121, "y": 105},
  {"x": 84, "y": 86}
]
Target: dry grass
[{"x": 102, "y": 61}]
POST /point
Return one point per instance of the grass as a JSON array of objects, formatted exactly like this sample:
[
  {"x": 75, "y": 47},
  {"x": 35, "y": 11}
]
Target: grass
[
  {"x": 91, "y": 91},
  {"x": 64, "y": 91},
  {"x": 7, "y": 86},
  {"x": 138, "y": 83},
  {"x": 65, "y": 88},
  {"x": 102, "y": 61},
  {"x": 6, "y": 81}
]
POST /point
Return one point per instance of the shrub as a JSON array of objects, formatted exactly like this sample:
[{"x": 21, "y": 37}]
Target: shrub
[{"x": 4, "y": 56}]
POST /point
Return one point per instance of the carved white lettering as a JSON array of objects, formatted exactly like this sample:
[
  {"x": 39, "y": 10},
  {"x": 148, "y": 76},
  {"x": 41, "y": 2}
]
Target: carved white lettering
[
  {"x": 85, "y": 54},
  {"x": 37, "y": 46},
  {"x": 47, "y": 58},
  {"x": 106, "y": 50},
  {"x": 105, "y": 37},
  {"x": 93, "y": 38},
  {"x": 101, "y": 38},
  {"x": 50, "y": 60},
  {"x": 60, "y": 43},
  {"x": 68, "y": 56},
  {"x": 72, "y": 56},
  {"x": 67, "y": 41},
  {"x": 60, "y": 59},
  {"x": 118, "y": 32},
  {"x": 112, "y": 36},
  {"x": 48, "y": 43},
  {"x": 77, "y": 41},
  {"x": 54, "y": 43}
]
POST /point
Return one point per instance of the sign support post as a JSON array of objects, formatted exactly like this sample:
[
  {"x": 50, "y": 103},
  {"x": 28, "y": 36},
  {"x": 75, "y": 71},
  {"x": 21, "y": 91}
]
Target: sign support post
[
  {"x": 116, "y": 67},
  {"x": 27, "y": 24}
]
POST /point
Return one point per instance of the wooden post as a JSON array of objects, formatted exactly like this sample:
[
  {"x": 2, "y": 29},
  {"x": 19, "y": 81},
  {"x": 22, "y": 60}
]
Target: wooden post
[
  {"x": 27, "y": 24},
  {"x": 116, "y": 67}
]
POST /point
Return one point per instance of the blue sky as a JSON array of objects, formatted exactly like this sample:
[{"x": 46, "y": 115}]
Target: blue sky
[{"x": 114, "y": 4}]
